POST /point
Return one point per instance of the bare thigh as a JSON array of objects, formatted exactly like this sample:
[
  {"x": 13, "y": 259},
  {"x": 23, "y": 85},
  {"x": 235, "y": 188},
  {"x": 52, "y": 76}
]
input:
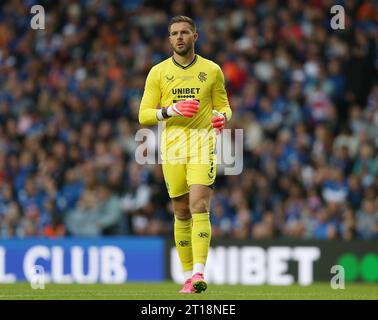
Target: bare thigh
[
  {"x": 199, "y": 198},
  {"x": 181, "y": 207}
]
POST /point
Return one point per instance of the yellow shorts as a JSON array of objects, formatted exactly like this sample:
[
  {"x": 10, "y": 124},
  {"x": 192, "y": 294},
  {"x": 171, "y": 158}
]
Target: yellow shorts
[{"x": 179, "y": 177}]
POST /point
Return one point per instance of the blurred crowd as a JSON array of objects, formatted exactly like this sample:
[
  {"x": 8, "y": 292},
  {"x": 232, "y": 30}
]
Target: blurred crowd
[{"x": 305, "y": 95}]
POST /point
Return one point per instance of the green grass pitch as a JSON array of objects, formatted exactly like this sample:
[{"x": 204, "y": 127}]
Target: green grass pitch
[{"x": 169, "y": 291}]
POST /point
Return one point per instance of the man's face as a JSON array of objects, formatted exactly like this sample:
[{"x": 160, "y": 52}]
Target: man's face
[{"x": 182, "y": 38}]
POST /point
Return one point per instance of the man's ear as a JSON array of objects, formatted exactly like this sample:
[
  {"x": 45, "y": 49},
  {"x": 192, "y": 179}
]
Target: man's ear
[
  {"x": 195, "y": 36},
  {"x": 169, "y": 39}
]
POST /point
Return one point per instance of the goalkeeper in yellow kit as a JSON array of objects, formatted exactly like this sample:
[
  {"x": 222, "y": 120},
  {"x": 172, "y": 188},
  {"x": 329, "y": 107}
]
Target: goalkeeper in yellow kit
[{"x": 190, "y": 92}]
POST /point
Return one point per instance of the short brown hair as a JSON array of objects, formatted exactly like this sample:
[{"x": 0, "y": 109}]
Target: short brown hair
[{"x": 178, "y": 19}]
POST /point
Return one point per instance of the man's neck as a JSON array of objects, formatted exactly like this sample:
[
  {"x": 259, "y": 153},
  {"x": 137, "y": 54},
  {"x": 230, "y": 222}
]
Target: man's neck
[{"x": 184, "y": 60}]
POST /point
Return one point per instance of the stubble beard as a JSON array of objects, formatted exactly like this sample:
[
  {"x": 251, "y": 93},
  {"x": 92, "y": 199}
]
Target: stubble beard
[{"x": 184, "y": 51}]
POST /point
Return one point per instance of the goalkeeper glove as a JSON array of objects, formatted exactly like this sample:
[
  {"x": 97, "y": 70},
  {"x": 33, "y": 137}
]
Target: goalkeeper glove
[
  {"x": 186, "y": 108},
  {"x": 218, "y": 121}
]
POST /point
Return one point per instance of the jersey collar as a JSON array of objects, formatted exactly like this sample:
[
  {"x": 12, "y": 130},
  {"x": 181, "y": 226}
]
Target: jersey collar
[{"x": 187, "y": 66}]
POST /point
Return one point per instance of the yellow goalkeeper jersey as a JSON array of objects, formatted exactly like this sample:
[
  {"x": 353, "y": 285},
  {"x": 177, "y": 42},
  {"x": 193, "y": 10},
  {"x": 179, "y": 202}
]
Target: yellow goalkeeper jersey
[{"x": 169, "y": 82}]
